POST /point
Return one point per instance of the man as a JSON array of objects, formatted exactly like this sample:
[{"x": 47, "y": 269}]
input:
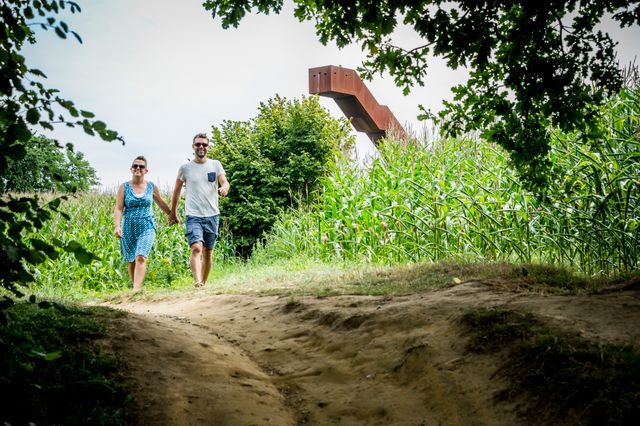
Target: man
[{"x": 204, "y": 179}]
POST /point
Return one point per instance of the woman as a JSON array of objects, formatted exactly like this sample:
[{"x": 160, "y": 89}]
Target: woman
[{"x": 138, "y": 230}]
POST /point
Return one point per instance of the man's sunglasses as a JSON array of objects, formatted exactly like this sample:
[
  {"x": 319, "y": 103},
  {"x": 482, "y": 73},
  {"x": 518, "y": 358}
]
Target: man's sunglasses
[
  {"x": 138, "y": 166},
  {"x": 198, "y": 145}
]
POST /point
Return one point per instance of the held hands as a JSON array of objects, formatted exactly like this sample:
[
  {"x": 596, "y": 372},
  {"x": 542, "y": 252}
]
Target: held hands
[{"x": 173, "y": 219}]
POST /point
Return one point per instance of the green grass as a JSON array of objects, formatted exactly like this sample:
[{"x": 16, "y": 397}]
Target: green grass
[
  {"x": 307, "y": 277},
  {"x": 52, "y": 373},
  {"x": 558, "y": 378}
]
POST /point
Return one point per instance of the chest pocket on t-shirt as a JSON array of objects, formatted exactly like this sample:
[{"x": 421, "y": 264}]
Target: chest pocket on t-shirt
[{"x": 211, "y": 176}]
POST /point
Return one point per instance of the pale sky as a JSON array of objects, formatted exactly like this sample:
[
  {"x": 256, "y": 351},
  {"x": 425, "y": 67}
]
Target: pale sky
[{"x": 160, "y": 71}]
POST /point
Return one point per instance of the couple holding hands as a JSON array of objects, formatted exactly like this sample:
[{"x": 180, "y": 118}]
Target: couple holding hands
[{"x": 133, "y": 215}]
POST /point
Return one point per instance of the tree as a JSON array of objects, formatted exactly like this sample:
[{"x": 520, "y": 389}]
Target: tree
[
  {"x": 47, "y": 166},
  {"x": 24, "y": 103},
  {"x": 533, "y": 66},
  {"x": 273, "y": 162}
]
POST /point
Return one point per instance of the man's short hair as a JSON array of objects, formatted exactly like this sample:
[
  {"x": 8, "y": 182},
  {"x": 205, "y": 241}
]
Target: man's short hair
[
  {"x": 141, "y": 157},
  {"x": 200, "y": 136}
]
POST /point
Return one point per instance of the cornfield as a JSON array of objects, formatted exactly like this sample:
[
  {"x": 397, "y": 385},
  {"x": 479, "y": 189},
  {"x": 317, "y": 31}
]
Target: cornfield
[
  {"x": 458, "y": 198},
  {"x": 91, "y": 224}
]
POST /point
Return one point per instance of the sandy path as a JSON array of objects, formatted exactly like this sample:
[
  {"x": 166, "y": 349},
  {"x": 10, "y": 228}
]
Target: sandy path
[{"x": 348, "y": 360}]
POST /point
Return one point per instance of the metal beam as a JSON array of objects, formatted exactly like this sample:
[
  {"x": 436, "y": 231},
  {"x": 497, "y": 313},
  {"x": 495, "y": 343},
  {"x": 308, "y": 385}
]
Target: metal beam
[{"x": 354, "y": 99}]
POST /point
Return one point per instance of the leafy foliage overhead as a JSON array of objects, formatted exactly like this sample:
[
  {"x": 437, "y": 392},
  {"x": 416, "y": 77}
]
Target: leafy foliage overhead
[
  {"x": 26, "y": 102},
  {"x": 533, "y": 65}
]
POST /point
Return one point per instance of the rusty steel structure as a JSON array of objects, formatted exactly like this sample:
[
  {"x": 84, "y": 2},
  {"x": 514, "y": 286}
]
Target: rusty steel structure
[{"x": 354, "y": 99}]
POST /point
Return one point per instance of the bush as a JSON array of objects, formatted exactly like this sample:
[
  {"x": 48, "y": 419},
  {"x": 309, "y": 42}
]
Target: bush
[{"x": 274, "y": 161}]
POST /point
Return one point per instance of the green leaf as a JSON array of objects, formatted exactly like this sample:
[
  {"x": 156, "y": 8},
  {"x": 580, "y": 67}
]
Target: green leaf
[
  {"x": 74, "y": 6},
  {"x": 44, "y": 304},
  {"x": 37, "y": 72},
  {"x": 84, "y": 256},
  {"x": 52, "y": 355},
  {"x": 22, "y": 132},
  {"x": 77, "y": 36},
  {"x": 47, "y": 356},
  {"x": 55, "y": 203},
  {"x": 99, "y": 126},
  {"x": 41, "y": 245},
  {"x": 16, "y": 152},
  {"x": 20, "y": 32},
  {"x": 73, "y": 246},
  {"x": 35, "y": 257},
  {"x": 61, "y": 308},
  {"x": 33, "y": 116},
  {"x": 6, "y": 302},
  {"x": 60, "y": 33}
]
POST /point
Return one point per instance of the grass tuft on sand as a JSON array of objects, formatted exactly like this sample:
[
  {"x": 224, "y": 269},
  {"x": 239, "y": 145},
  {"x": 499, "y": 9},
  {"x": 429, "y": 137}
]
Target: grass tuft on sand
[{"x": 558, "y": 378}]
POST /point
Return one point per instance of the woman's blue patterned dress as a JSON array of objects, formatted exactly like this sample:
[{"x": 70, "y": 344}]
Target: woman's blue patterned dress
[{"x": 138, "y": 225}]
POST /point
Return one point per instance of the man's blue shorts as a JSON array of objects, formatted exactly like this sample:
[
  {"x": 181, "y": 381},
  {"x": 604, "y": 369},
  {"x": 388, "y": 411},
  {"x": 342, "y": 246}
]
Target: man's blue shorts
[{"x": 202, "y": 229}]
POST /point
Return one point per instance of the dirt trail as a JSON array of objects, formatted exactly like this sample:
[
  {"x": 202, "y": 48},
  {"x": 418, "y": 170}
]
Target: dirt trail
[{"x": 351, "y": 360}]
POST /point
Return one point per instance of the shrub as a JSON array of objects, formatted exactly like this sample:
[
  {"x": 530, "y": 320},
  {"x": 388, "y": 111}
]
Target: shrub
[{"x": 274, "y": 161}]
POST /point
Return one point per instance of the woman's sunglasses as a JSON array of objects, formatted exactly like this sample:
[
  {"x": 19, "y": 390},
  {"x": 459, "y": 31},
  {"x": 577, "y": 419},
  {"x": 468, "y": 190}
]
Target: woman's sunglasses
[{"x": 138, "y": 166}]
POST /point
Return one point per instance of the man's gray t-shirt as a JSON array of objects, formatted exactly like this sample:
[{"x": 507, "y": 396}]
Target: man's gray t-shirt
[{"x": 201, "y": 187}]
